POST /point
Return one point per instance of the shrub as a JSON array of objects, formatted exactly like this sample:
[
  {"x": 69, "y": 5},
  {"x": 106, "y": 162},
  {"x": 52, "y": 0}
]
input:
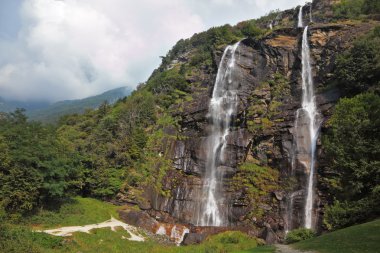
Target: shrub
[
  {"x": 299, "y": 234},
  {"x": 348, "y": 9},
  {"x": 343, "y": 214}
]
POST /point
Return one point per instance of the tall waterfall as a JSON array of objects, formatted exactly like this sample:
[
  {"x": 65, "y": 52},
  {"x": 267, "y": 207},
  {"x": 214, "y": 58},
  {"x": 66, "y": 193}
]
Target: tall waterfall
[
  {"x": 300, "y": 21},
  {"x": 306, "y": 128},
  {"x": 222, "y": 108}
]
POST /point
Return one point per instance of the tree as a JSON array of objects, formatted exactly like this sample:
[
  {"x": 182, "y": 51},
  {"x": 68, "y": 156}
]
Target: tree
[{"x": 353, "y": 149}]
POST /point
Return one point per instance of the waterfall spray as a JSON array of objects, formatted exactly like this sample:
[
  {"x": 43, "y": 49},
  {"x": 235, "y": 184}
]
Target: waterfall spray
[{"x": 222, "y": 107}]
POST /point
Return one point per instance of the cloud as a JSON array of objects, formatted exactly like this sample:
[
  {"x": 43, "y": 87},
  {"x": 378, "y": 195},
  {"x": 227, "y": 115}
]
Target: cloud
[
  {"x": 75, "y": 48},
  {"x": 67, "y": 49}
]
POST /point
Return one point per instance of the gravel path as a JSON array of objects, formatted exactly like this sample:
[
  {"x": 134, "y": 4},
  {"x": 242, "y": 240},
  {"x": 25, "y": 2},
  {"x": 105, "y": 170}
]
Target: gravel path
[
  {"x": 281, "y": 248},
  {"x": 112, "y": 223}
]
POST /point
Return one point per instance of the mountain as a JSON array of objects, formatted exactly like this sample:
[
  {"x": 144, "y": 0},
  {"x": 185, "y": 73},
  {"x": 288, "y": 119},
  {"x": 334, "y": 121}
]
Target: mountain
[
  {"x": 47, "y": 112},
  {"x": 11, "y": 105},
  {"x": 53, "y": 112}
]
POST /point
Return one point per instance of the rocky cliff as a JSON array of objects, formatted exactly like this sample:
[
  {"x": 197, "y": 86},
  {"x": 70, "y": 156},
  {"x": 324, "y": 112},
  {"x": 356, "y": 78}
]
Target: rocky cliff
[{"x": 257, "y": 180}]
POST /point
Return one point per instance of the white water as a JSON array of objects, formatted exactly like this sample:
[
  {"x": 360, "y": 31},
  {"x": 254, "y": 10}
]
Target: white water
[
  {"x": 300, "y": 21},
  {"x": 310, "y": 125},
  {"x": 222, "y": 107}
]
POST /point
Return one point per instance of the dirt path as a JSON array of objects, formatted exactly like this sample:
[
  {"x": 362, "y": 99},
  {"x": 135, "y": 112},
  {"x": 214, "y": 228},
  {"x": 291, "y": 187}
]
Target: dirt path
[
  {"x": 281, "y": 248},
  {"x": 112, "y": 223}
]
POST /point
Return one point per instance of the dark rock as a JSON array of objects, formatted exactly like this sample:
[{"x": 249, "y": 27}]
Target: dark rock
[
  {"x": 270, "y": 236},
  {"x": 193, "y": 238}
]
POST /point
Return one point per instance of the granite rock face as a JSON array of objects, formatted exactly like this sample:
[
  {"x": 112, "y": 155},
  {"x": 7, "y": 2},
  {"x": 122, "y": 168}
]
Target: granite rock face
[{"x": 269, "y": 79}]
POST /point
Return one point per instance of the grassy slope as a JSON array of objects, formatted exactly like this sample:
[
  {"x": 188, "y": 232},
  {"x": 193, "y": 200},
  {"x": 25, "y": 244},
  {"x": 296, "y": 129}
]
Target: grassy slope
[
  {"x": 79, "y": 211},
  {"x": 363, "y": 238},
  {"x": 83, "y": 211}
]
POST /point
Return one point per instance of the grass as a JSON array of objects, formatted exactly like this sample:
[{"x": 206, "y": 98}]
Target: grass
[
  {"x": 82, "y": 211},
  {"x": 105, "y": 240},
  {"x": 363, "y": 238},
  {"x": 79, "y": 211},
  {"x": 260, "y": 249}
]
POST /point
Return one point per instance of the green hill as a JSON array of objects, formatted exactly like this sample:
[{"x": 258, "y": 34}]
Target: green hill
[{"x": 363, "y": 238}]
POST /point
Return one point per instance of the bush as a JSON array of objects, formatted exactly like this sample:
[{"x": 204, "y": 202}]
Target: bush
[
  {"x": 343, "y": 214},
  {"x": 299, "y": 235}
]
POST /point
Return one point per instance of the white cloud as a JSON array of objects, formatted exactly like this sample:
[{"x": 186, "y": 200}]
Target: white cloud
[{"x": 76, "y": 48}]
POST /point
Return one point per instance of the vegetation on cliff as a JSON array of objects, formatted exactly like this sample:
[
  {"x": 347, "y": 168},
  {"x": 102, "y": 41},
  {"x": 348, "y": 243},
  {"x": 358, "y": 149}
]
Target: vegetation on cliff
[{"x": 352, "y": 143}]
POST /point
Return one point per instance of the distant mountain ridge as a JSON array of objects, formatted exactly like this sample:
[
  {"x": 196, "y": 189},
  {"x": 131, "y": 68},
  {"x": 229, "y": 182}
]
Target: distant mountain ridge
[{"x": 45, "y": 112}]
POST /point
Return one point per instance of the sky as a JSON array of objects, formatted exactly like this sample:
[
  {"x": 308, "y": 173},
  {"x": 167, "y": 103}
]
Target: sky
[{"x": 53, "y": 50}]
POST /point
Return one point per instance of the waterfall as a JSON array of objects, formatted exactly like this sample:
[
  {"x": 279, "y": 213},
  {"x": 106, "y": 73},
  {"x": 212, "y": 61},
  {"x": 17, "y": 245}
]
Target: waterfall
[
  {"x": 271, "y": 25},
  {"x": 300, "y": 21},
  {"x": 222, "y": 108},
  {"x": 306, "y": 128},
  {"x": 311, "y": 11}
]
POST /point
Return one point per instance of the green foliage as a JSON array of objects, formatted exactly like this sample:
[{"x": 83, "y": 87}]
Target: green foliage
[
  {"x": 362, "y": 238},
  {"x": 358, "y": 69},
  {"x": 352, "y": 9},
  {"x": 353, "y": 145},
  {"x": 298, "y": 235},
  {"x": 250, "y": 29},
  {"x": 156, "y": 164},
  {"x": 348, "y": 9},
  {"x": 36, "y": 168},
  {"x": 343, "y": 214},
  {"x": 165, "y": 85},
  {"x": 353, "y": 149},
  {"x": 108, "y": 143}
]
